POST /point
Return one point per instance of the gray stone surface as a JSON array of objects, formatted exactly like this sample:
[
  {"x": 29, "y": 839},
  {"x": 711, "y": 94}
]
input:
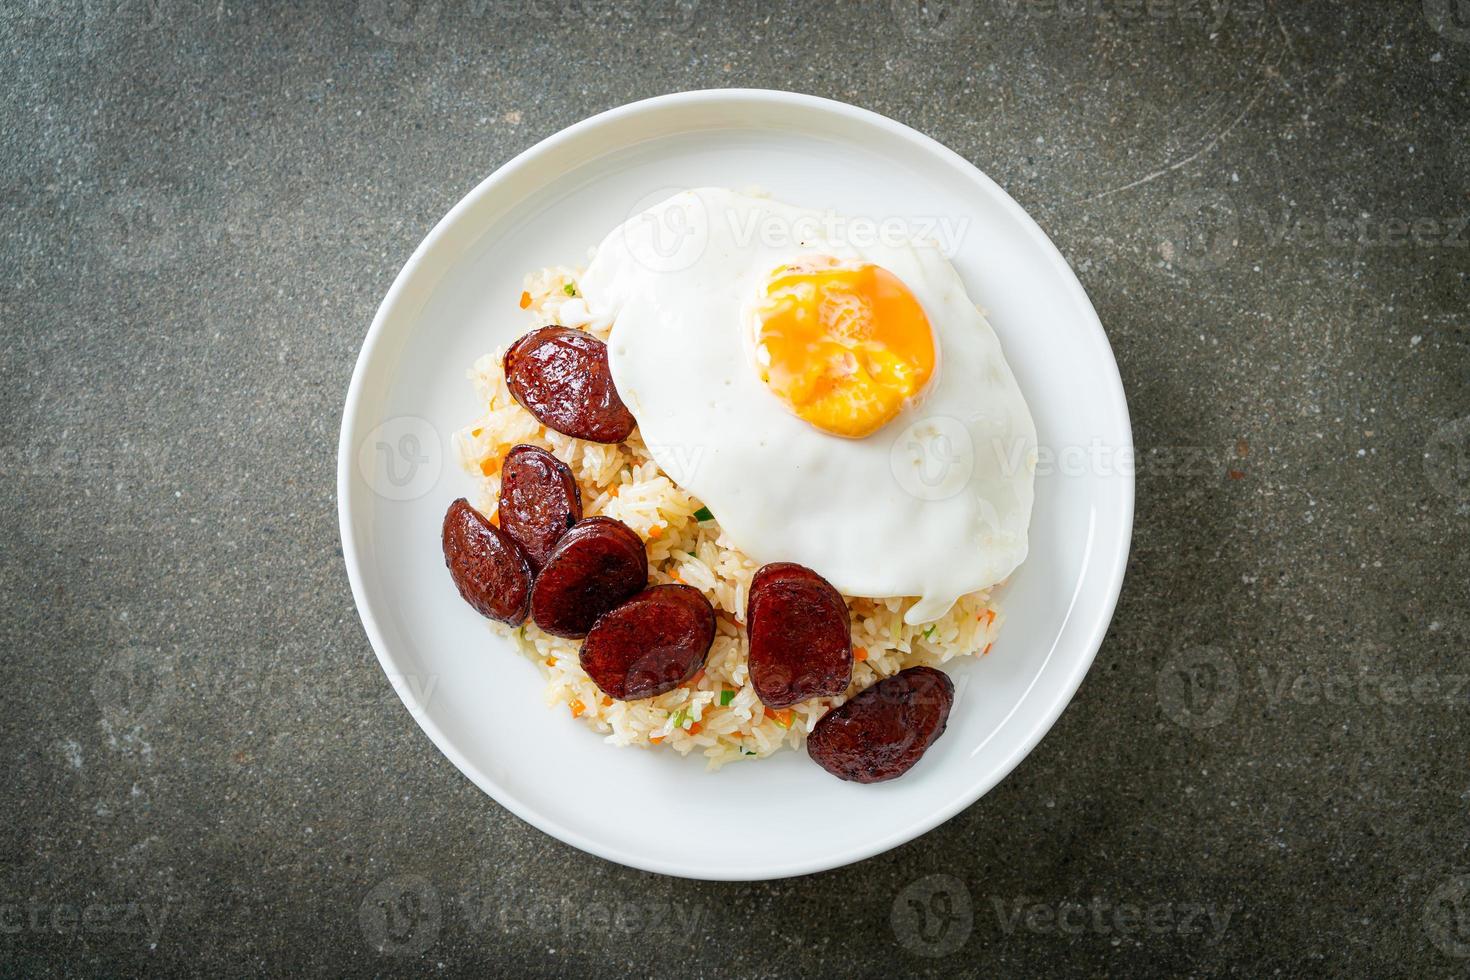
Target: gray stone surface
[{"x": 205, "y": 768}]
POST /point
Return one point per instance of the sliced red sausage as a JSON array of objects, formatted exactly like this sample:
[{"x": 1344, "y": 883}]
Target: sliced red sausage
[
  {"x": 561, "y": 376},
  {"x": 595, "y": 566},
  {"x": 883, "y": 731},
  {"x": 539, "y": 501},
  {"x": 800, "y": 636},
  {"x": 650, "y": 644},
  {"x": 790, "y": 571},
  {"x": 487, "y": 566}
]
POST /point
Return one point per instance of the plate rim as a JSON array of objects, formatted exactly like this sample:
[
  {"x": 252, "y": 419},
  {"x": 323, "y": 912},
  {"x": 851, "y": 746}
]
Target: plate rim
[{"x": 1062, "y": 694}]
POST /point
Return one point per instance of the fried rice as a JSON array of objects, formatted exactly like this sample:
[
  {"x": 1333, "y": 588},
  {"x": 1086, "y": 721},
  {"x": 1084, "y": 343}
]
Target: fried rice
[{"x": 717, "y": 713}]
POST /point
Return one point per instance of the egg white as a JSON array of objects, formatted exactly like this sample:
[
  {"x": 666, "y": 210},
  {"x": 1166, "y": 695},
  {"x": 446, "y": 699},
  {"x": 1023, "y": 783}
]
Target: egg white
[{"x": 935, "y": 504}]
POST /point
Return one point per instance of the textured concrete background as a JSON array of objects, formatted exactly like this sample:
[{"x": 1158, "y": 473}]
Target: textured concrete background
[{"x": 204, "y": 767}]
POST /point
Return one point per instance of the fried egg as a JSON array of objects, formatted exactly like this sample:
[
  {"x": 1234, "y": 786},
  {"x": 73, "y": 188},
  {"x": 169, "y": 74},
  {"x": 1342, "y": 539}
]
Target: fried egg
[{"x": 834, "y": 400}]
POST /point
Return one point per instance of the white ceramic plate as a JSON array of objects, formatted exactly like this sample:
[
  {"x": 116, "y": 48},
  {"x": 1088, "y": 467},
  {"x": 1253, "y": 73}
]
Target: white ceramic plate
[{"x": 456, "y": 299}]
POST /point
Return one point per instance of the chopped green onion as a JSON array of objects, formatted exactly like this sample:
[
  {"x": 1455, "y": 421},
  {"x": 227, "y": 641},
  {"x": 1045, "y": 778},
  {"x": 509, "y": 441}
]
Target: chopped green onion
[
  {"x": 570, "y": 289},
  {"x": 726, "y": 696},
  {"x": 680, "y": 717},
  {"x": 929, "y": 632},
  {"x": 703, "y": 515}
]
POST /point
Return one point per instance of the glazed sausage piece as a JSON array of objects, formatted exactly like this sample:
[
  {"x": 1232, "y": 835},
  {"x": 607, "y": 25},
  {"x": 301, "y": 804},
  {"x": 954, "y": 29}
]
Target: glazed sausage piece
[
  {"x": 487, "y": 566},
  {"x": 650, "y": 644},
  {"x": 561, "y": 376},
  {"x": 790, "y": 571},
  {"x": 595, "y": 566},
  {"x": 800, "y": 636},
  {"x": 539, "y": 501},
  {"x": 883, "y": 731}
]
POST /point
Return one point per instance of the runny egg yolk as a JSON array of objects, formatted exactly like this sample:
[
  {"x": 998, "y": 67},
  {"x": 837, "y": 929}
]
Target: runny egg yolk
[{"x": 844, "y": 346}]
